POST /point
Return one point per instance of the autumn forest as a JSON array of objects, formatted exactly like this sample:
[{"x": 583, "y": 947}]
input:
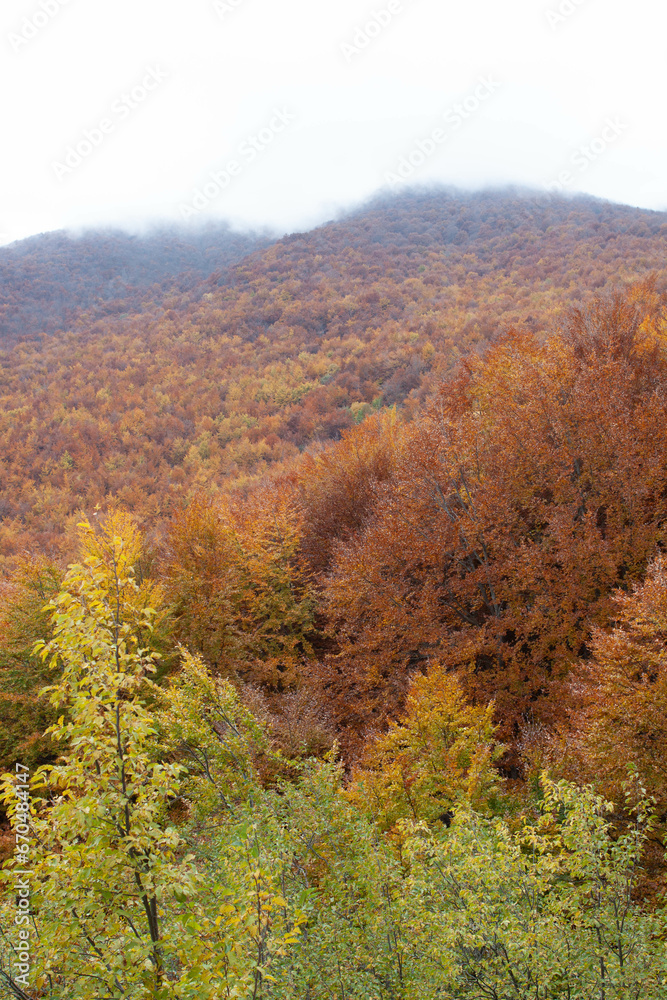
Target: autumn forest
[{"x": 333, "y": 606}]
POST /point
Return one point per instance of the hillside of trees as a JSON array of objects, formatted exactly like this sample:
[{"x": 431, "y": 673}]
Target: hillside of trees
[
  {"x": 333, "y": 622},
  {"x": 56, "y": 281},
  {"x": 284, "y": 350}
]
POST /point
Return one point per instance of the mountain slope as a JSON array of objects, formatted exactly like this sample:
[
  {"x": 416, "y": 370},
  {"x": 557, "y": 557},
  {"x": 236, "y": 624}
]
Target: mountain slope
[
  {"x": 285, "y": 348},
  {"x": 47, "y": 281}
]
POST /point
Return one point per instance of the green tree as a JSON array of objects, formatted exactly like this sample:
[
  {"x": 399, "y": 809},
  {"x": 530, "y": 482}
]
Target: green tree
[
  {"x": 104, "y": 857},
  {"x": 120, "y": 908},
  {"x": 542, "y": 914}
]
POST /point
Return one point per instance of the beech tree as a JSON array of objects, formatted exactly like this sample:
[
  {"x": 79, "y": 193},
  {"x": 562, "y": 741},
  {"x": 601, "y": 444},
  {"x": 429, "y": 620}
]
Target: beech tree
[
  {"x": 236, "y": 588},
  {"x": 121, "y": 909},
  {"x": 105, "y": 857},
  {"x": 529, "y": 489},
  {"x": 621, "y": 718},
  {"x": 437, "y": 755},
  {"x": 165, "y": 865},
  {"x": 546, "y": 912}
]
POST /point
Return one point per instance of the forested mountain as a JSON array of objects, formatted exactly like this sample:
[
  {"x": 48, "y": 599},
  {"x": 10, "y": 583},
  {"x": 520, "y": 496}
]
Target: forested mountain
[
  {"x": 281, "y": 350},
  {"x": 58, "y": 280},
  {"x": 346, "y": 568}
]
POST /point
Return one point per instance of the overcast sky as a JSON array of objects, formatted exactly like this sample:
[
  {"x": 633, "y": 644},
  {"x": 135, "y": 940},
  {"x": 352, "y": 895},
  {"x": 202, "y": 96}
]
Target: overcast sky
[{"x": 280, "y": 113}]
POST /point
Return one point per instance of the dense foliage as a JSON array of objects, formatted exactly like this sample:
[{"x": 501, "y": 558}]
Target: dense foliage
[
  {"x": 53, "y": 281},
  {"x": 528, "y": 489},
  {"x": 178, "y": 391},
  {"x": 333, "y": 623},
  {"x": 286, "y": 889}
]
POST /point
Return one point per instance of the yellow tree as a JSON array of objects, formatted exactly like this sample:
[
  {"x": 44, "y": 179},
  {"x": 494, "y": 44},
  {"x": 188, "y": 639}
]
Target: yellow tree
[
  {"x": 438, "y": 754},
  {"x": 238, "y": 595}
]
